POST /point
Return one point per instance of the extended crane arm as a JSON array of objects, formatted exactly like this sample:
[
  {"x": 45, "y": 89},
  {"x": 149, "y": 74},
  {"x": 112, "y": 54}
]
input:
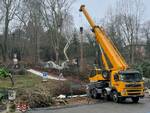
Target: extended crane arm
[
  {"x": 104, "y": 59},
  {"x": 110, "y": 50}
]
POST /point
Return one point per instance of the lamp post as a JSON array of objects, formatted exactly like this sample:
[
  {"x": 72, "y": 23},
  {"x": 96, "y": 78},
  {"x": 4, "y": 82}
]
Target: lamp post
[
  {"x": 11, "y": 107},
  {"x": 81, "y": 49}
]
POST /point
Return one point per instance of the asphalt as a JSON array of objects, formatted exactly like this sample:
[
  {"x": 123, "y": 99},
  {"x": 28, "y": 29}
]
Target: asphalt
[{"x": 103, "y": 107}]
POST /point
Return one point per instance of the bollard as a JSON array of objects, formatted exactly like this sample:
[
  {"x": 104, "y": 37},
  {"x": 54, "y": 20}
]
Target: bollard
[{"x": 11, "y": 107}]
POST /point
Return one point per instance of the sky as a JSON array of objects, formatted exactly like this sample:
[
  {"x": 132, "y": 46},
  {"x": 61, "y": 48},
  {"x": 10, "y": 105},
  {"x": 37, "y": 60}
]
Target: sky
[{"x": 98, "y": 9}]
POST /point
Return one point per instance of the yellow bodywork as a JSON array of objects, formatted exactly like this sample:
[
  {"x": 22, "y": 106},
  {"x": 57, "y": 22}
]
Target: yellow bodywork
[
  {"x": 115, "y": 58},
  {"x": 97, "y": 77},
  {"x": 120, "y": 86}
]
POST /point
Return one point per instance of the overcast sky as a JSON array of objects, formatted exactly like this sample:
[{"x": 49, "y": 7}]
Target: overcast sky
[{"x": 98, "y": 10}]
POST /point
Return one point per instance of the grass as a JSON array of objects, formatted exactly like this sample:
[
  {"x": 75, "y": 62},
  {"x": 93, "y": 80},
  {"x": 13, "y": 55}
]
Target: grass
[{"x": 21, "y": 81}]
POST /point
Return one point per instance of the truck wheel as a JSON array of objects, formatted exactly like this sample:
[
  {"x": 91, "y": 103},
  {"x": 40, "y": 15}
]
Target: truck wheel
[
  {"x": 135, "y": 99},
  {"x": 94, "y": 94},
  {"x": 105, "y": 95},
  {"x": 115, "y": 97}
]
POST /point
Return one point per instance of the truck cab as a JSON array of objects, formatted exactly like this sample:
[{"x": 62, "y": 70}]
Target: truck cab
[{"x": 127, "y": 84}]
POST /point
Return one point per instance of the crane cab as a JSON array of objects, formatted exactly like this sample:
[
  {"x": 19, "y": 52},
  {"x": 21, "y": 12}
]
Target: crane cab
[{"x": 99, "y": 75}]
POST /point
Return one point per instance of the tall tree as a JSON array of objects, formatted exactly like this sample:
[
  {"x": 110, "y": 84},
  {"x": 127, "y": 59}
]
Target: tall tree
[
  {"x": 8, "y": 8},
  {"x": 33, "y": 26},
  {"x": 146, "y": 33},
  {"x": 56, "y": 12},
  {"x": 125, "y": 22}
]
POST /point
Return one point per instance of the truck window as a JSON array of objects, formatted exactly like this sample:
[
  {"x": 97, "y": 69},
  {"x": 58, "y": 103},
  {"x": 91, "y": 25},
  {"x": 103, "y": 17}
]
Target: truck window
[
  {"x": 99, "y": 71},
  {"x": 93, "y": 73}
]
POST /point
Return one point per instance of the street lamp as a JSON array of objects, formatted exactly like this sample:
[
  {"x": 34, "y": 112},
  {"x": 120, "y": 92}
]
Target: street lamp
[
  {"x": 11, "y": 107},
  {"x": 81, "y": 50}
]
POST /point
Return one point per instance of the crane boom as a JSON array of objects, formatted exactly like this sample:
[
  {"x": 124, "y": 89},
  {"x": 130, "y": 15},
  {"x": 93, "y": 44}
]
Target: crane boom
[{"x": 110, "y": 50}]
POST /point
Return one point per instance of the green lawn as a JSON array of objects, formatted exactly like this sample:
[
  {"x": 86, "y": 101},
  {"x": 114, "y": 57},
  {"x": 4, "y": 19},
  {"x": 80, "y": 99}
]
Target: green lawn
[{"x": 21, "y": 81}]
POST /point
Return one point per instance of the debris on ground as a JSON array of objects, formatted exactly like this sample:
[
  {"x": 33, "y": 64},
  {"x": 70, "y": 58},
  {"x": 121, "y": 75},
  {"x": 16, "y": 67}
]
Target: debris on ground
[
  {"x": 81, "y": 101},
  {"x": 61, "y": 96}
]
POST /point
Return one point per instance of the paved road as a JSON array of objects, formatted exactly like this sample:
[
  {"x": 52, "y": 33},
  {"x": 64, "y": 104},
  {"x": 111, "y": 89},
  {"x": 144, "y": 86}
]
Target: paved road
[{"x": 105, "y": 107}]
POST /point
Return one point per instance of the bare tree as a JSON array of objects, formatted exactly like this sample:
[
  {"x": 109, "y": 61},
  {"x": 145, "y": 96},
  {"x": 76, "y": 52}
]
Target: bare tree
[
  {"x": 31, "y": 19},
  {"x": 56, "y": 12},
  {"x": 146, "y": 30},
  {"x": 8, "y": 7},
  {"x": 125, "y": 22},
  {"x": 146, "y": 34}
]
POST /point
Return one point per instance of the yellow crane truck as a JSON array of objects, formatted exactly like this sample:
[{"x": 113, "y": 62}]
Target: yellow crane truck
[{"x": 118, "y": 81}]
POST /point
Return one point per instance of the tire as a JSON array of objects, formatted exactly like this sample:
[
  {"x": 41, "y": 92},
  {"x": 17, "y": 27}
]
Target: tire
[
  {"x": 135, "y": 99},
  {"x": 115, "y": 97},
  {"x": 94, "y": 94},
  {"x": 105, "y": 95}
]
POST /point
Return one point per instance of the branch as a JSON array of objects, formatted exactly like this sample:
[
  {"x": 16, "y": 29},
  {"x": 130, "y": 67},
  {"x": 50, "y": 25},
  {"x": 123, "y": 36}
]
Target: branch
[
  {"x": 21, "y": 19},
  {"x": 1, "y": 18},
  {"x": 13, "y": 10}
]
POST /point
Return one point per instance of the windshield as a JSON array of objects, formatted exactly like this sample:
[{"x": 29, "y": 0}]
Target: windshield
[{"x": 131, "y": 77}]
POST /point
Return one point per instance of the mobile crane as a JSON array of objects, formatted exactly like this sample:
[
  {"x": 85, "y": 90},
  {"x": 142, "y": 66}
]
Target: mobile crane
[{"x": 118, "y": 81}]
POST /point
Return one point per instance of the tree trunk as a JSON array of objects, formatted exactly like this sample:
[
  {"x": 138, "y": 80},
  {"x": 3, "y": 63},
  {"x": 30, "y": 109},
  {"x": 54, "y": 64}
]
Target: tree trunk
[
  {"x": 6, "y": 36},
  {"x": 132, "y": 50},
  {"x": 57, "y": 55},
  {"x": 3, "y": 55},
  {"x": 2, "y": 50},
  {"x": 36, "y": 42}
]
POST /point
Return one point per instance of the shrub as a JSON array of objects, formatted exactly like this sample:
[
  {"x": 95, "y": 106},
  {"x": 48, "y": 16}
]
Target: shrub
[{"x": 144, "y": 68}]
